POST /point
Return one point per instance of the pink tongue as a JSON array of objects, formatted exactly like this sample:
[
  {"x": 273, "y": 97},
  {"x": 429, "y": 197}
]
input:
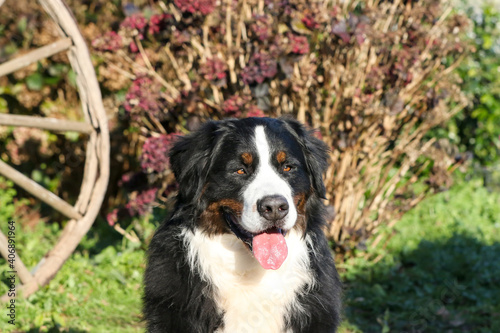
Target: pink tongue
[{"x": 270, "y": 249}]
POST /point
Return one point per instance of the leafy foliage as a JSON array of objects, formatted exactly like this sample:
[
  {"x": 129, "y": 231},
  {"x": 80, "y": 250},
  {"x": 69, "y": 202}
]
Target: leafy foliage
[
  {"x": 7, "y": 194},
  {"x": 477, "y": 128}
]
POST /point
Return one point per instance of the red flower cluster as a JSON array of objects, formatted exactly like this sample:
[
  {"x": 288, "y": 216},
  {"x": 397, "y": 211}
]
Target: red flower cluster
[
  {"x": 144, "y": 95},
  {"x": 214, "y": 69},
  {"x": 261, "y": 66},
  {"x": 262, "y": 27},
  {"x": 298, "y": 44},
  {"x": 236, "y": 106},
  {"x": 254, "y": 111},
  {"x": 158, "y": 22},
  {"x": 110, "y": 41},
  {"x": 136, "y": 24},
  {"x": 310, "y": 22},
  {"x": 112, "y": 217},
  {"x": 141, "y": 203},
  {"x": 203, "y": 7},
  {"x": 154, "y": 157}
]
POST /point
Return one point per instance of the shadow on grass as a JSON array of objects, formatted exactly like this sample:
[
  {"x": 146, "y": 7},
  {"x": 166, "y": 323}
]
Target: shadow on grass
[{"x": 451, "y": 285}]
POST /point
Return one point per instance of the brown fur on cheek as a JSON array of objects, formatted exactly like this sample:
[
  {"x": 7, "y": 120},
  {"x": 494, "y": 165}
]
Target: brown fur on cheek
[
  {"x": 212, "y": 220},
  {"x": 281, "y": 157},
  {"x": 247, "y": 158},
  {"x": 300, "y": 204}
]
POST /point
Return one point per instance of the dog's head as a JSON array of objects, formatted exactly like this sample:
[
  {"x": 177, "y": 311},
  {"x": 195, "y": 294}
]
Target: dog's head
[{"x": 252, "y": 178}]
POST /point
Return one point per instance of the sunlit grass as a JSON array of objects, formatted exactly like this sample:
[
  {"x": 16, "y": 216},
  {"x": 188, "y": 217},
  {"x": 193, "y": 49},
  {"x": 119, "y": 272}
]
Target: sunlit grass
[{"x": 439, "y": 273}]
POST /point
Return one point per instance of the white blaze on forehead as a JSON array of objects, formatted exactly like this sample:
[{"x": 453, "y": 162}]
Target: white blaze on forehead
[{"x": 266, "y": 182}]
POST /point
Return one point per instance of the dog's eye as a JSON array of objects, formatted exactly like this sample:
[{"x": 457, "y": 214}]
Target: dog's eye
[
  {"x": 241, "y": 171},
  {"x": 287, "y": 168}
]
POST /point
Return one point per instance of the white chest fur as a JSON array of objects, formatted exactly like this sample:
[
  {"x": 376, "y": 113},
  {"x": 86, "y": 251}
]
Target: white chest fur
[{"x": 252, "y": 299}]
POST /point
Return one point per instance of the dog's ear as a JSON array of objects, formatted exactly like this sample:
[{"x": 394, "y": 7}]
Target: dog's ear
[
  {"x": 315, "y": 152},
  {"x": 190, "y": 159}
]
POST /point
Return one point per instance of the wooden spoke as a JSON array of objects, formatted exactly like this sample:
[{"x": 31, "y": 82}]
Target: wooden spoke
[
  {"x": 21, "y": 270},
  {"x": 38, "y": 191},
  {"x": 35, "y": 55},
  {"x": 51, "y": 124},
  {"x": 90, "y": 173}
]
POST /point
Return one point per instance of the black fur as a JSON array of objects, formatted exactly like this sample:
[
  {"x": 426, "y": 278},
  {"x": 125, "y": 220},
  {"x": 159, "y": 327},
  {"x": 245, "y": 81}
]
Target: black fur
[
  {"x": 176, "y": 298},
  {"x": 323, "y": 303}
]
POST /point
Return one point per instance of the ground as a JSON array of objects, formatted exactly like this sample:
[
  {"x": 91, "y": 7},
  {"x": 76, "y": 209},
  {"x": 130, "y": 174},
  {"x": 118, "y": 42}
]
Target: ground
[{"x": 438, "y": 273}]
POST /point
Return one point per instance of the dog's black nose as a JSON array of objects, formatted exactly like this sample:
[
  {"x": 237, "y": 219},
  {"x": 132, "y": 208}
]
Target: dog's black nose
[{"x": 273, "y": 207}]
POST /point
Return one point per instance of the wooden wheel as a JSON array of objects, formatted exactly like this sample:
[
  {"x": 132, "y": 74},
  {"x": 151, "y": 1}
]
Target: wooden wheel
[{"x": 96, "y": 173}]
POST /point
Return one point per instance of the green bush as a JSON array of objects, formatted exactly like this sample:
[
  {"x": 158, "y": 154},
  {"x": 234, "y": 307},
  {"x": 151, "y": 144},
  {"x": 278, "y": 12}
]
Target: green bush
[
  {"x": 7, "y": 193},
  {"x": 477, "y": 128}
]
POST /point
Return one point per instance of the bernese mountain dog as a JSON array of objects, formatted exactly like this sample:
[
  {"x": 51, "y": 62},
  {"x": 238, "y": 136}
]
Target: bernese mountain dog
[{"x": 244, "y": 249}]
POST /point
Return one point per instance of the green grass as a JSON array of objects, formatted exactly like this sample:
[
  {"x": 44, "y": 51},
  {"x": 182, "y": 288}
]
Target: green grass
[
  {"x": 97, "y": 290},
  {"x": 92, "y": 292},
  {"x": 439, "y": 273}
]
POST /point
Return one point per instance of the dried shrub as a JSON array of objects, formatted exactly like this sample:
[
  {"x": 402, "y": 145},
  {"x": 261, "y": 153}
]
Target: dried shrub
[{"x": 373, "y": 77}]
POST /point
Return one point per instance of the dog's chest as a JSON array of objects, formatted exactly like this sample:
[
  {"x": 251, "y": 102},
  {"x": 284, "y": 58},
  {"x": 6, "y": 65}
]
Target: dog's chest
[{"x": 251, "y": 298}]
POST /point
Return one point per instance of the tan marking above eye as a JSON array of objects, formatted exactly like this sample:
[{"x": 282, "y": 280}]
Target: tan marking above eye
[
  {"x": 247, "y": 158},
  {"x": 281, "y": 157}
]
